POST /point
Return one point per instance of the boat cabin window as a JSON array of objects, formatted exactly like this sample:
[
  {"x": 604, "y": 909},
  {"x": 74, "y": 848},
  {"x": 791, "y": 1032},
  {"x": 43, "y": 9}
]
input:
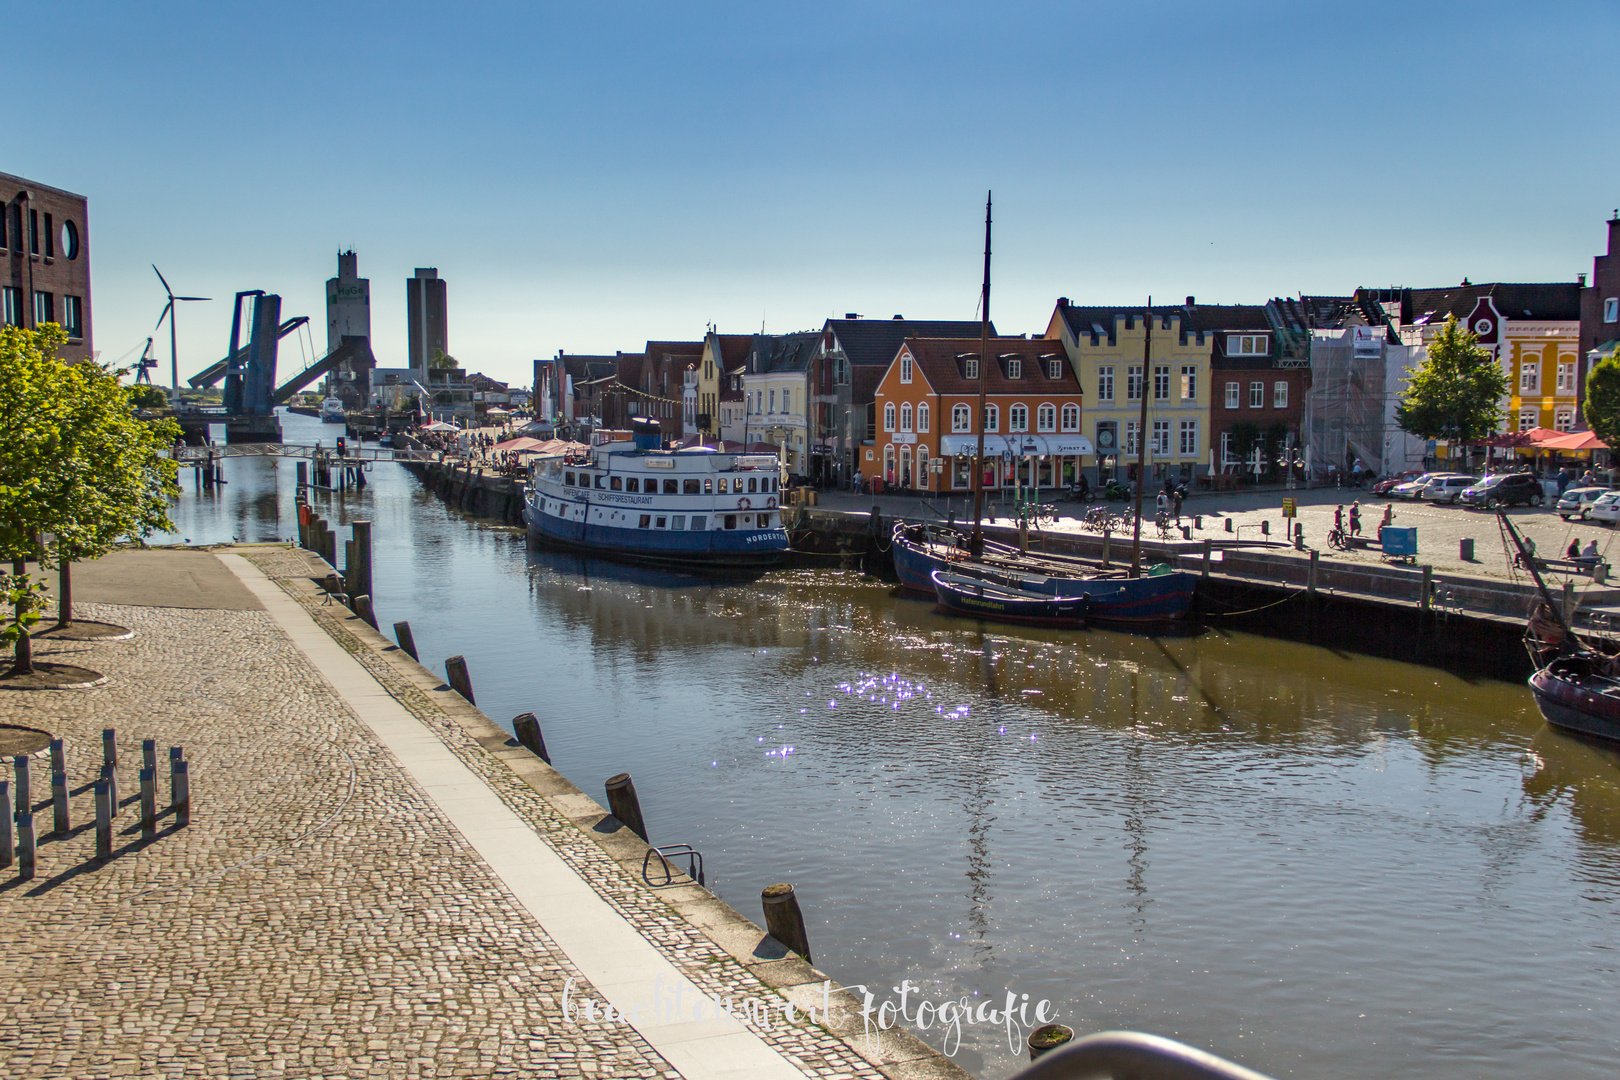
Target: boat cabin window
[
  {"x": 646, "y": 520},
  {"x": 708, "y": 486},
  {"x": 568, "y": 478},
  {"x": 698, "y": 522},
  {"x": 599, "y": 479},
  {"x": 615, "y": 483},
  {"x": 662, "y": 521},
  {"x": 753, "y": 484},
  {"x": 678, "y": 521},
  {"x": 671, "y": 487},
  {"x": 731, "y": 521},
  {"x": 632, "y": 483},
  {"x": 693, "y": 487}
]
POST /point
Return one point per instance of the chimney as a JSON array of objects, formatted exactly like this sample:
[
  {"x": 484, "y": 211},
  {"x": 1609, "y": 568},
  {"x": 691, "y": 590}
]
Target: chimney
[
  {"x": 1063, "y": 301},
  {"x": 1580, "y": 281},
  {"x": 1190, "y": 302},
  {"x": 899, "y": 318},
  {"x": 851, "y": 315}
]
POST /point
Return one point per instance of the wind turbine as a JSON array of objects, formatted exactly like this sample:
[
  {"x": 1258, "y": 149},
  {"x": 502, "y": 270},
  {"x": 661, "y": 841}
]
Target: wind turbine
[{"x": 168, "y": 313}]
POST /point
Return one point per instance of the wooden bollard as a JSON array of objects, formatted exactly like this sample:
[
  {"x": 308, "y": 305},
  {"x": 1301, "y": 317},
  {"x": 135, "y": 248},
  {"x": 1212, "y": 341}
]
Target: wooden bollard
[
  {"x": 624, "y": 805},
  {"x": 783, "y": 919},
  {"x": 59, "y": 805},
  {"x": 58, "y": 756},
  {"x": 176, "y": 755},
  {"x": 1107, "y": 536},
  {"x": 455, "y": 671},
  {"x": 362, "y": 608},
  {"x": 351, "y": 580},
  {"x": 109, "y": 776},
  {"x": 149, "y": 803},
  {"x": 1209, "y": 546},
  {"x": 527, "y": 730},
  {"x": 104, "y": 805},
  {"x": 1046, "y": 1038},
  {"x": 109, "y": 747},
  {"x": 360, "y": 565},
  {"x": 334, "y": 585},
  {"x": 402, "y": 634},
  {"x": 182, "y": 792},
  {"x": 1311, "y": 581},
  {"x": 149, "y": 753},
  {"x": 25, "y": 847},
  {"x": 25, "y": 788},
  {"x": 8, "y": 843}
]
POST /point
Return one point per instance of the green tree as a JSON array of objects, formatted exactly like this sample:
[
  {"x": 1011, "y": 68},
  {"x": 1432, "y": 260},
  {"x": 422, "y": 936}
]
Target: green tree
[
  {"x": 442, "y": 361},
  {"x": 146, "y": 396},
  {"x": 1457, "y": 393},
  {"x": 1603, "y": 400},
  {"x": 1245, "y": 440}
]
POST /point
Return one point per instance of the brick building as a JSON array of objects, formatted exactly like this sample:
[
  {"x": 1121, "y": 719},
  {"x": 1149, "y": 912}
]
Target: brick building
[{"x": 46, "y": 239}]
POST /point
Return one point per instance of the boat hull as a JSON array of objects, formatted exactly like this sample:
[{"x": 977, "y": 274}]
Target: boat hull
[
  {"x": 1567, "y": 704},
  {"x": 957, "y": 595},
  {"x": 1153, "y": 599},
  {"x": 713, "y": 549}
]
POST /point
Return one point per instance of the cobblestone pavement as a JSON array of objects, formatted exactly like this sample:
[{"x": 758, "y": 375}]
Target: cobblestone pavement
[{"x": 319, "y": 918}]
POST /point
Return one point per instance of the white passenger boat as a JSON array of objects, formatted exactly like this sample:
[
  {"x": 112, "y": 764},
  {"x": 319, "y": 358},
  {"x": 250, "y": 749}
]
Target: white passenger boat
[
  {"x": 632, "y": 500},
  {"x": 332, "y": 411}
]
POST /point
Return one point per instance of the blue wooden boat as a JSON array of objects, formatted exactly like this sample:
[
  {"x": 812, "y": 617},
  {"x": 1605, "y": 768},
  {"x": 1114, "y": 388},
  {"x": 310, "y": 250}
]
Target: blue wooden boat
[
  {"x": 983, "y": 598},
  {"x": 1112, "y": 595}
]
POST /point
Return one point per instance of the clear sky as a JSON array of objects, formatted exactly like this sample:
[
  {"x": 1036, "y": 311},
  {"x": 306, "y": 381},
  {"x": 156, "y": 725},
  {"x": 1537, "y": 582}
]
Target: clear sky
[{"x": 590, "y": 175}]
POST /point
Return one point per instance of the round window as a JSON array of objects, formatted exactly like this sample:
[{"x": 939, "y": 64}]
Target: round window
[
  {"x": 1105, "y": 437},
  {"x": 70, "y": 240},
  {"x": 1483, "y": 327}
]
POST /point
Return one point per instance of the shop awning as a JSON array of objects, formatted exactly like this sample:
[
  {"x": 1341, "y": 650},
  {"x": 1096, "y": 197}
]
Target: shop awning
[
  {"x": 1572, "y": 442},
  {"x": 1025, "y": 445}
]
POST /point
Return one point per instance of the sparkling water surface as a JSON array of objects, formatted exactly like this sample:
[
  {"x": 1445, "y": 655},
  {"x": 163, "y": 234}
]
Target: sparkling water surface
[{"x": 1317, "y": 864}]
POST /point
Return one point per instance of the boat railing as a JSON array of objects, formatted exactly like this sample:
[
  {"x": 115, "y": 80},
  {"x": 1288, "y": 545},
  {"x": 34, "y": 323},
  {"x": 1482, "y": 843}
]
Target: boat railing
[{"x": 1132, "y": 1054}]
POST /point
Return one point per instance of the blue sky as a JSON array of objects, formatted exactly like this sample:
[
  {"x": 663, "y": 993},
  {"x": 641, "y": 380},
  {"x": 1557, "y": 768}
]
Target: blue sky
[{"x": 589, "y": 176}]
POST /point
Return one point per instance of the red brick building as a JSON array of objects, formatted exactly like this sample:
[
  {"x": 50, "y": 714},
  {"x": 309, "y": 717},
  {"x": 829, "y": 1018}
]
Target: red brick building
[{"x": 46, "y": 243}]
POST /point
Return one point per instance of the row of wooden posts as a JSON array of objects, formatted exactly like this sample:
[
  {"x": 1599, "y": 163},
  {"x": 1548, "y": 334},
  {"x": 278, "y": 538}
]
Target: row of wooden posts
[
  {"x": 20, "y": 847},
  {"x": 783, "y": 918},
  {"x": 353, "y": 585}
]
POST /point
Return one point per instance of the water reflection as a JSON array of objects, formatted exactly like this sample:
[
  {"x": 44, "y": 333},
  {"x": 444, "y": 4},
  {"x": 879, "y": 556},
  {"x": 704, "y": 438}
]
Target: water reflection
[{"x": 1317, "y": 863}]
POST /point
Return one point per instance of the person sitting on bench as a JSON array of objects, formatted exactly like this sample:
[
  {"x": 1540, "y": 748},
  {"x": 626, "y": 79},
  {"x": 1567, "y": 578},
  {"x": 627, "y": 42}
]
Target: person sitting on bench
[
  {"x": 1574, "y": 551},
  {"x": 1588, "y": 554}
]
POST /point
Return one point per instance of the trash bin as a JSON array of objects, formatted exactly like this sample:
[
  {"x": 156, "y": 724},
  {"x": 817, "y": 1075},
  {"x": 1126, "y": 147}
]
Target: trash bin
[{"x": 1465, "y": 549}]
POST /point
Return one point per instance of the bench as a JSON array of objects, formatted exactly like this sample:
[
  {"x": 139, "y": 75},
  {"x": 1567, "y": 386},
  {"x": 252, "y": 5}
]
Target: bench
[{"x": 1567, "y": 566}]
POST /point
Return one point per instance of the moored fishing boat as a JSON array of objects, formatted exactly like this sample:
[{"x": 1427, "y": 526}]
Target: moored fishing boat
[
  {"x": 632, "y": 500},
  {"x": 1113, "y": 596},
  {"x": 984, "y": 598}
]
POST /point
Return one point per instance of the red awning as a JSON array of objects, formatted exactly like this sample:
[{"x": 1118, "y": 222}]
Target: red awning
[{"x": 1572, "y": 441}]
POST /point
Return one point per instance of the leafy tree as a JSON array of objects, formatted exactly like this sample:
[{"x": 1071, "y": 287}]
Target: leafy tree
[
  {"x": 442, "y": 361},
  {"x": 1603, "y": 400},
  {"x": 1245, "y": 439},
  {"x": 145, "y": 396},
  {"x": 1457, "y": 392}
]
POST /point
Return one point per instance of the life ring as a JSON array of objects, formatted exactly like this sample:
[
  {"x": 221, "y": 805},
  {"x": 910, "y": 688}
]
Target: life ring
[
  {"x": 770, "y": 503},
  {"x": 743, "y": 504}
]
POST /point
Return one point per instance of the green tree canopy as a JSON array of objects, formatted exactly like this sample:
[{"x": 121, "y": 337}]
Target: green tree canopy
[
  {"x": 1603, "y": 400},
  {"x": 442, "y": 361},
  {"x": 1457, "y": 392}
]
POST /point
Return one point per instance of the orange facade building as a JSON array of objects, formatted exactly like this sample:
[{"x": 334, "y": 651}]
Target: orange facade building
[{"x": 927, "y": 433}]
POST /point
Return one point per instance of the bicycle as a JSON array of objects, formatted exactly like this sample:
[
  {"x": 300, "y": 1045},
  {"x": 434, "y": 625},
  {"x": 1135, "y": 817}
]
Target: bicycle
[
  {"x": 1337, "y": 538},
  {"x": 1161, "y": 522}
]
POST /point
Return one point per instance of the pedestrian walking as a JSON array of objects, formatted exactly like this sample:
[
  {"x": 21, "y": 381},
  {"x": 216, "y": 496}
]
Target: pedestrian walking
[
  {"x": 1355, "y": 518},
  {"x": 1163, "y": 502},
  {"x": 1176, "y": 500}
]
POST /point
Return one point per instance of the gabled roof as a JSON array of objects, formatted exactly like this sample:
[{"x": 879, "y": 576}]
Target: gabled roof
[
  {"x": 782, "y": 352},
  {"x": 1549, "y": 301},
  {"x": 733, "y": 349},
  {"x": 942, "y": 363},
  {"x": 876, "y": 341},
  {"x": 1098, "y": 321}
]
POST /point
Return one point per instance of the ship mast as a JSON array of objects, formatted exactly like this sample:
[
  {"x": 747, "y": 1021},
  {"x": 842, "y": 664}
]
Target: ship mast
[
  {"x": 1141, "y": 440},
  {"x": 976, "y": 543}
]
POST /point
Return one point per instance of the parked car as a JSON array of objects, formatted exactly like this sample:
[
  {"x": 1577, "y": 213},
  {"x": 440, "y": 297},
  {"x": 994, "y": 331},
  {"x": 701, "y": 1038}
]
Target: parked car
[
  {"x": 1386, "y": 487},
  {"x": 1574, "y": 501},
  {"x": 1446, "y": 489},
  {"x": 1413, "y": 489},
  {"x": 1606, "y": 508},
  {"x": 1509, "y": 489}
]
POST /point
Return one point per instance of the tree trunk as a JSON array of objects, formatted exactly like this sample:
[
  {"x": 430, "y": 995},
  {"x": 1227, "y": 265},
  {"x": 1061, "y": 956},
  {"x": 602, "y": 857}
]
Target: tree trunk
[
  {"x": 64, "y": 593},
  {"x": 23, "y": 662}
]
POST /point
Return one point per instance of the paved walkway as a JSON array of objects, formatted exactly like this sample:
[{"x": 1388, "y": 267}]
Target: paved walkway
[{"x": 367, "y": 887}]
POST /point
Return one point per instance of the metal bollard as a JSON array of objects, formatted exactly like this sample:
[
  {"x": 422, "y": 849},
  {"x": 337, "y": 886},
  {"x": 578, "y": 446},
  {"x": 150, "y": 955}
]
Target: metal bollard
[
  {"x": 109, "y": 747},
  {"x": 455, "y": 670},
  {"x": 182, "y": 796},
  {"x": 25, "y": 789},
  {"x": 783, "y": 919},
  {"x": 109, "y": 776},
  {"x": 149, "y": 803},
  {"x": 177, "y": 754},
  {"x": 25, "y": 847},
  {"x": 59, "y": 804},
  {"x": 149, "y": 753},
  {"x": 1209, "y": 547},
  {"x": 527, "y": 730},
  {"x": 624, "y": 805},
  {"x": 104, "y": 804},
  {"x": 8, "y": 845},
  {"x": 402, "y": 634},
  {"x": 1228, "y": 524},
  {"x": 58, "y": 756}
]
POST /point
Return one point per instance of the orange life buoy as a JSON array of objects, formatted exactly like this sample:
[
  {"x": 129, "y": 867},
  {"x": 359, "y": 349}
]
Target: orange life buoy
[
  {"x": 743, "y": 504},
  {"x": 770, "y": 503}
]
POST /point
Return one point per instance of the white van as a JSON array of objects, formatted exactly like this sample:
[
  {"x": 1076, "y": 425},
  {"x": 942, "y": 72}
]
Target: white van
[{"x": 1445, "y": 489}]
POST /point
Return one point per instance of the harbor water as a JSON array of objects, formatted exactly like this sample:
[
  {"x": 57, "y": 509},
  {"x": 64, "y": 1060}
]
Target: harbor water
[{"x": 1317, "y": 864}]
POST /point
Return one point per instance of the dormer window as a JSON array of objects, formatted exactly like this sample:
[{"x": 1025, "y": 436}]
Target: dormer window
[
  {"x": 1015, "y": 368},
  {"x": 970, "y": 367},
  {"x": 1246, "y": 345},
  {"x": 1054, "y": 369}
]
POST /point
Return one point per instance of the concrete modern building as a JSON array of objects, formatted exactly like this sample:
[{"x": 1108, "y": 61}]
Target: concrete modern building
[
  {"x": 45, "y": 237},
  {"x": 348, "y": 314},
  {"x": 429, "y": 315}
]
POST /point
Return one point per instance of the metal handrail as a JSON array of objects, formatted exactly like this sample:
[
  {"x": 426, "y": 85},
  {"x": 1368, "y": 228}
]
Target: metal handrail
[
  {"x": 694, "y": 863},
  {"x": 1132, "y": 1055}
]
